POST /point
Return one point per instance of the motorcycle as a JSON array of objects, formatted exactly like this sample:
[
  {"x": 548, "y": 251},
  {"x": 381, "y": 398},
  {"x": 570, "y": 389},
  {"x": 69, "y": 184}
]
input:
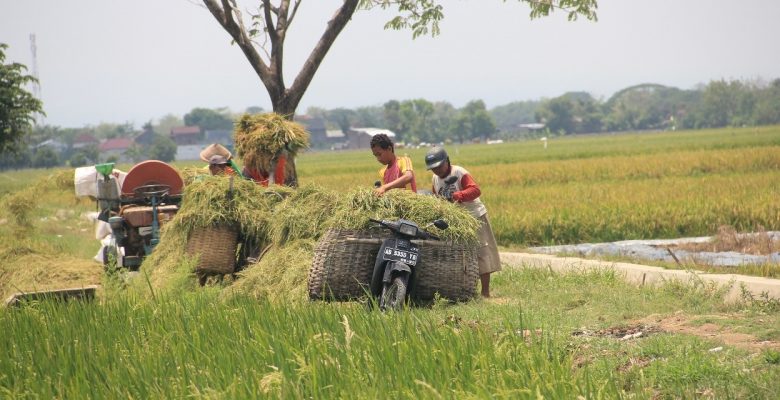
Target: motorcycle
[{"x": 398, "y": 258}]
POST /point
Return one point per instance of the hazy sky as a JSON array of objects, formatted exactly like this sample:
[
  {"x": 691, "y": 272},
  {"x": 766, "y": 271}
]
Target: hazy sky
[{"x": 117, "y": 61}]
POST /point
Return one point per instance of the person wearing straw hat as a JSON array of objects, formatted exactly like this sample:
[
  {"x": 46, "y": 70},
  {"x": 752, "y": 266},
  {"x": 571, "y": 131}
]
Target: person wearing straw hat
[
  {"x": 464, "y": 191},
  {"x": 220, "y": 160}
]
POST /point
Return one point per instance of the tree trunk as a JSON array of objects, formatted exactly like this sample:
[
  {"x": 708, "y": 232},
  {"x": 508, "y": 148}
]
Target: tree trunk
[
  {"x": 284, "y": 100},
  {"x": 285, "y": 108}
]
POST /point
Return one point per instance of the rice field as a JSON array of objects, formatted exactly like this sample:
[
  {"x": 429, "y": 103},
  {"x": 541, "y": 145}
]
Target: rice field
[
  {"x": 606, "y": 187},
  {"x": 249, "y": 340}
]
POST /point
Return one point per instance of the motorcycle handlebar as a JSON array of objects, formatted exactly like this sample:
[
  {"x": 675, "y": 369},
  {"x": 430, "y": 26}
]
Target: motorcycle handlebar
[{"x": 432, "y": 236}]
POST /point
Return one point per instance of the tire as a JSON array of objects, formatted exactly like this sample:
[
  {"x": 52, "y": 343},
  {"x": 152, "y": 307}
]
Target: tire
[{"x": 394, "y": 295}]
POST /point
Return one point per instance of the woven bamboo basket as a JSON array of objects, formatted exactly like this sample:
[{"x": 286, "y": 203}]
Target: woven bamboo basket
[
  {"x": 216, "y": 248},
  {"x": 344, "y": 261}
]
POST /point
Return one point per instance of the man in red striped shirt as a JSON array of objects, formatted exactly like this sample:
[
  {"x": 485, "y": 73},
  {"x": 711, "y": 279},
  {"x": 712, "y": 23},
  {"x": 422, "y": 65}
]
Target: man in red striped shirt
[{"x": 465, "y": 192}]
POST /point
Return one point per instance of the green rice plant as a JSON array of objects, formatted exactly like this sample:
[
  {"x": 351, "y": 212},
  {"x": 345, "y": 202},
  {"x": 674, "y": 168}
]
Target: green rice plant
[{"x": 239, "y": 349}]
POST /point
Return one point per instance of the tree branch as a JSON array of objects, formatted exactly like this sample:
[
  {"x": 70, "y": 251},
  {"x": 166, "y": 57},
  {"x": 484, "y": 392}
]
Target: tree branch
[
  {"x": 294, "y": 11},
  {"x": 335, "y": 26},
  {"x": 269, "y": 23},
  {"x": 224, "y": 16}
]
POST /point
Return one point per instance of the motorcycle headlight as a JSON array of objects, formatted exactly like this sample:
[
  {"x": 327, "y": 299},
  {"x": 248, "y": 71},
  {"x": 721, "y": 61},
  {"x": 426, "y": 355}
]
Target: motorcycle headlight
[{"x": 409, "y": 230}]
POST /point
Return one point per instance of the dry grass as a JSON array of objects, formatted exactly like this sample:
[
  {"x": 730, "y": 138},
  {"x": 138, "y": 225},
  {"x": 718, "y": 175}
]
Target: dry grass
[
  {"x": 21, "y": 204},
  {"x": 280, "y": 276},
  {"x": 728, "y": 239},
  {"x": 259, "y": 139},
  {"x": 23, "y": 269}
]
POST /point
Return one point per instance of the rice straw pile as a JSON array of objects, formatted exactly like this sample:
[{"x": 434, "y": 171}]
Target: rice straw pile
[
  {"x": 260, "y": 138},
  {"x": 361, "y": 204},
  {"x": 208, "y": 201},
  {"x": 287, "y": 222}
]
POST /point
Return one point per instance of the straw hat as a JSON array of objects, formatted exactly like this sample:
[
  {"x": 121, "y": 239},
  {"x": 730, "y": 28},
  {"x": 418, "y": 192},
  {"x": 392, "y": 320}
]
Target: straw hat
[
  {"x": 217, "y": 159},
  {"x": 215, "y": 149}
]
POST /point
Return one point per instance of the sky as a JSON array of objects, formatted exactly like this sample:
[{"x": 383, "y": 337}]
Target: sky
[{"x": 136, "y": 61}]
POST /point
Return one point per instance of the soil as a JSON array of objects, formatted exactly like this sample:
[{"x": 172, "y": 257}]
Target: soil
[
  {"x": 681, "y": 323},
  {"x": 684, "y": 324}
]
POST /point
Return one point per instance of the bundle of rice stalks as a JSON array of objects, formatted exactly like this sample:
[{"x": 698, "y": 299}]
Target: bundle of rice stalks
[
  {"x": 361, "y": 204},
  {"x": 208, "y": 201},
  {"x": 259, "y": 138},
  {"x": 303, "y": 215},
  {"x": 191, "y": 174},
  {"x": 280, "y": 276}
]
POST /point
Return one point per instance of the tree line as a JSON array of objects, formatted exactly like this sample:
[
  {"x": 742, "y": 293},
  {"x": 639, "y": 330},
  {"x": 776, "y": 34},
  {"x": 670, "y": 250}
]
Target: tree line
[{"x": 641, "y": 107}]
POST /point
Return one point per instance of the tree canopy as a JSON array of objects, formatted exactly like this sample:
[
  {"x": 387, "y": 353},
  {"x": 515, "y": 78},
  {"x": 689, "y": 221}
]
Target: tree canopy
[
  {"x": 260, "y": 33},
  {"x": 17, "y": 106}
]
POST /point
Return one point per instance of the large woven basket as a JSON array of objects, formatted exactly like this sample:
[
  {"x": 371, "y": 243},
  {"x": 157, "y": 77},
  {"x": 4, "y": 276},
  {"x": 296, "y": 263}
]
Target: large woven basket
[
  {"x": 216, "y": 248},
  {"x": 344, "y": 261}
]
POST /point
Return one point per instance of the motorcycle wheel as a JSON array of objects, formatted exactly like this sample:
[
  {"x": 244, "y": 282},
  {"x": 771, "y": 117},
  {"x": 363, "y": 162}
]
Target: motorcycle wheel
[{"x": 394, "y": 295}]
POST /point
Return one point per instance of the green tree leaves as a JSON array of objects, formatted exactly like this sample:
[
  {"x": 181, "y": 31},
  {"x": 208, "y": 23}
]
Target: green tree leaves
[{"x": 17, "y": 106}]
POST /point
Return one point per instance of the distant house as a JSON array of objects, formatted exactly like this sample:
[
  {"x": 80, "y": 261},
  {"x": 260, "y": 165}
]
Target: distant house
[
  {"x": 360, "y": 138},
  {"x": 186, "y": 135},
  {"x": 116, "y": 148},
  {"x": 85, "y": 140},
  {"x": 54, "y": 144},
  {"x": 532, "y": 127},
  {"x": 336, "y": 139},
  {"x": 189, "y": 152},
  {"x": 221, "y": 136},
  {"x": 316, "y": 128},
  {"x": 145, "y": 139}
]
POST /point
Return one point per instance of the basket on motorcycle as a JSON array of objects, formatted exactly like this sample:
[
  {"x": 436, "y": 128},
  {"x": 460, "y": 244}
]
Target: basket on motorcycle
[
  {"x": 216, "y": 248},
  {"x": 447, "y": 268},
  {"x": 344, "y": 261}
]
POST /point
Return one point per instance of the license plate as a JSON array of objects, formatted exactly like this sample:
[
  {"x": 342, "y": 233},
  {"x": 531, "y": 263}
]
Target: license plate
[{"x": 402, "y": 255}]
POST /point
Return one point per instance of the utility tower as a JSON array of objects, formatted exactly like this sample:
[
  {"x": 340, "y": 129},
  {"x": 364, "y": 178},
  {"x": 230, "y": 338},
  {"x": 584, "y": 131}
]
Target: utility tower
[{"x": 36, "y": 86}]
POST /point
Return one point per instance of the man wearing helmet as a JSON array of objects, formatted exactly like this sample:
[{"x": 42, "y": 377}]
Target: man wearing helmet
[{"x": 455, "y": 184}]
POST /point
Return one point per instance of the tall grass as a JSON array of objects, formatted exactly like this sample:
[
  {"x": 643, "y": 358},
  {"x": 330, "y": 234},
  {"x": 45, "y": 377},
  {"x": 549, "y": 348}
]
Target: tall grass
[{"x": 198, "y": 347}]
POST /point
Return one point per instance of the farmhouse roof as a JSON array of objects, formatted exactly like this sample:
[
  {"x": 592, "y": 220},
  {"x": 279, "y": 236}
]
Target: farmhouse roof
[
  {"x": 85, "y": 138},
  {"x": 116, "y": 144},
  {"x": 185, "y": 130},
  {"x": 373, "y": 131}
]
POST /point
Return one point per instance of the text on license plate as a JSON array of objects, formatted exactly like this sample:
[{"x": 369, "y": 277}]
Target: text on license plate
[{"x": 407, "y": 257}]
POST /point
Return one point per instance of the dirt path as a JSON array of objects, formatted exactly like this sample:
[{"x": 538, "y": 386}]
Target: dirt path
[{"x": 685, "y": 324}]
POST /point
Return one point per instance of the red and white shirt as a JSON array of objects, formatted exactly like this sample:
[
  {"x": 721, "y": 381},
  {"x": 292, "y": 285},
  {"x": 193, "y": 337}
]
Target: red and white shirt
[{"x": 465, "y": 190}]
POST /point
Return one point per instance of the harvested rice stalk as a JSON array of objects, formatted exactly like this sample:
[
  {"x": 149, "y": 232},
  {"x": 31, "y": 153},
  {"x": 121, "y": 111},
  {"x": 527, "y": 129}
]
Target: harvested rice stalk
[
  {"x": 190, "y": 174},
  {"x": 303, "y": 215},
  {"x": 259, "y": 138},
  {"x": 361, "y": 204},
  {"x": 209, "y": 201},
  {"x": 280, "y": 276}
]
